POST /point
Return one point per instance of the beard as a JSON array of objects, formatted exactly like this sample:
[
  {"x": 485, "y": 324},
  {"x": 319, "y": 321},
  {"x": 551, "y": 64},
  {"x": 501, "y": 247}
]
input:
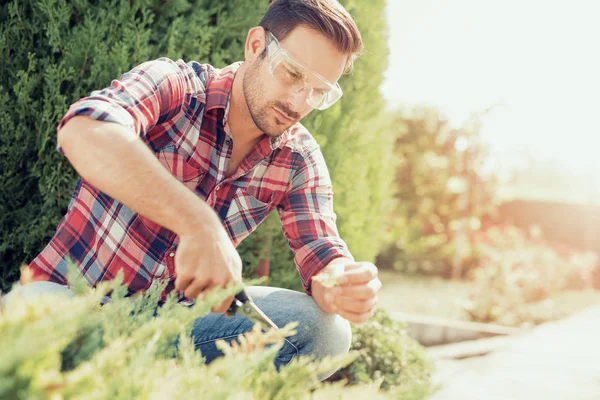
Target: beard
[{"x": 262, "y": 113}]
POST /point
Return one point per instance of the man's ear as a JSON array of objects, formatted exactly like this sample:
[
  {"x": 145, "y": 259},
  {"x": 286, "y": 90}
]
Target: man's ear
[{"x": 255, "y": 43}]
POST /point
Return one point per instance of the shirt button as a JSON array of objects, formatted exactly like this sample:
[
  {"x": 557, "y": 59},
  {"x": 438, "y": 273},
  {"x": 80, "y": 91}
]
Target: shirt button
[
  {"x": 228, "y": 142},
  {"x": 171, "y": 254},
  {"x": 255, "y": 159}
]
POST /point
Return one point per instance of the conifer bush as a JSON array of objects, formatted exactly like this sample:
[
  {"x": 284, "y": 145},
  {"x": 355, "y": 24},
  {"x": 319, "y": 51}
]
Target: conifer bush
[
  {"x": 63, "y": 348},
  {"x": 53, "y": 52}
]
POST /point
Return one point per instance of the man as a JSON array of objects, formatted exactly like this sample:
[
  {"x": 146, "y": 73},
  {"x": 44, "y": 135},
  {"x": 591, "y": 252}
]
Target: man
[{"x": 180, "y": 162}]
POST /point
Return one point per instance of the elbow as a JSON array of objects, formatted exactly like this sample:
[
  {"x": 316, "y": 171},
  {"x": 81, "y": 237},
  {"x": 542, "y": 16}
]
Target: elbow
[
  {"x": 72, "y": 135},
  {"x": 64, "y": 138},
  {"x": 83, "y": 135},
  {"x": 81, "y": 142}
]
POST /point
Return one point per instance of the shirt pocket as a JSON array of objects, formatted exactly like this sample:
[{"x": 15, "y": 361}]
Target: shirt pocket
[
  {"x": 181, "y": 166},
  {"x": 245, "y": 213}
]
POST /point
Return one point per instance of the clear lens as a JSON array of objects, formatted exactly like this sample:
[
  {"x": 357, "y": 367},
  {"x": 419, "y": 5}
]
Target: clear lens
[{"x": 294, "y": 76}]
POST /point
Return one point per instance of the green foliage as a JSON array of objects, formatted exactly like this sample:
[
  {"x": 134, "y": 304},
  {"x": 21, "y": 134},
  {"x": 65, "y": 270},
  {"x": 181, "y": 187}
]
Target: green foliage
[
  {"x": 389, "y": 354},
  {"x": 443, "y": 190},
  {"x": 358, "y": 145},
  {"x": 268, "y": 242},
  {"x": 55, "y": 52},
  {"x": 519, "y": 268},
  {"x": 123, "y": 351}
]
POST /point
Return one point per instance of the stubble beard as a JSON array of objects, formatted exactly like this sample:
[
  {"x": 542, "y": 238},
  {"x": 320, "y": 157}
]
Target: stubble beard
[{"x": 253, "y": 92}]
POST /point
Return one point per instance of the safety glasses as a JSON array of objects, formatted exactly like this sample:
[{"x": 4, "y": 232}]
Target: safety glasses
[{"x": 295, "y": 77}]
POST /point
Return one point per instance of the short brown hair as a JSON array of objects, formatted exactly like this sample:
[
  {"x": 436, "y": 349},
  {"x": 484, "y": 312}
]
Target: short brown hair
[{"x": 328, "y": 17}]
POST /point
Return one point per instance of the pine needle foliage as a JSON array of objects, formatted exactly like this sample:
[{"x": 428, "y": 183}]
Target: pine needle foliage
[{"x": 74, "y": 348}]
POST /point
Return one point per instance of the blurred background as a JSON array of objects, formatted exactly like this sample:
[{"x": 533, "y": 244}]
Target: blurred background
[
  {"x": 518, "y": 82},
  {"x": 463, "y": 152}
]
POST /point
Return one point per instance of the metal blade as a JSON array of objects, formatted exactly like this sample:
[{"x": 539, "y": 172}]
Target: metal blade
[{"x": 254, "y": 313}]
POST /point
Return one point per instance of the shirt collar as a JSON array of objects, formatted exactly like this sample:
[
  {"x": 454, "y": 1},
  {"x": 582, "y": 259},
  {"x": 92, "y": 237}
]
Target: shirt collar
[{"x": 218, "y": 89}]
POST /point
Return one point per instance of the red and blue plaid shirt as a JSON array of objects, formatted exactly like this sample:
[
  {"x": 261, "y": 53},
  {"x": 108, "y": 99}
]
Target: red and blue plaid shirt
[{"x": 179, "y": 110}]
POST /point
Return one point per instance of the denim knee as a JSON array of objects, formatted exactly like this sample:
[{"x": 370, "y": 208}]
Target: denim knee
[
  {"x": 29, "y": 291},
  {"x": 320, "y": 334},
  {"x": 328, "y": 335},
  {"x": 334, "y": 338}
]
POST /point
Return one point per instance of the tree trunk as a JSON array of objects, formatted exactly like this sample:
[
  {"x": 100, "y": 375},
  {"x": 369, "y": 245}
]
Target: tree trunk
[{"x": 264, "y": 267}]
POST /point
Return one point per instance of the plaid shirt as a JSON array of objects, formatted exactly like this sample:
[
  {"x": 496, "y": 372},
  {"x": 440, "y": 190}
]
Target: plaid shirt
[{"x": 179, "y": 110}]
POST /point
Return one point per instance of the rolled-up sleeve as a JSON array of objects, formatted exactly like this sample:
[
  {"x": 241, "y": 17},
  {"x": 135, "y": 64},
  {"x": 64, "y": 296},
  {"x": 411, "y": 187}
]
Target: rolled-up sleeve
[
  {"x": 146, "y": 96},
  {"x": 308, "y": 219}
]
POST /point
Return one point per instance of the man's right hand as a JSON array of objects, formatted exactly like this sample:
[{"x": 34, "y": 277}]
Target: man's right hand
[
  {"x": 114, "y": 160},
  {"x": 204, "y": 261}
]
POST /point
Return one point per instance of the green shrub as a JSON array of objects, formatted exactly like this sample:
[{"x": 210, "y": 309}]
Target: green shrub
[
  {"x": 518, "y": 268},
  {"x": 442, "y": 194},
  {"x": 269, "y": 243},
  {"x": 57, "y": 347},
  {"x": 389, "y": 354},
  {"x": 55, "y": 52},
  {"x": 74, "y": 348},
  {"x": 358, "y": 145}
]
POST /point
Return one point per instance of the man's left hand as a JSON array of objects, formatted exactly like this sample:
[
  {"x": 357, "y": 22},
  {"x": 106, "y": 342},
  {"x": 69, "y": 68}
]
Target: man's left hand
[{"x": 355, "y": 293}]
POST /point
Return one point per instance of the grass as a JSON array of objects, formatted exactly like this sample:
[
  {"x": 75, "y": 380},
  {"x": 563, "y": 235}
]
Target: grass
[
  {"x": 422, "y": 295},
  {"x": 442, "y": 298}
]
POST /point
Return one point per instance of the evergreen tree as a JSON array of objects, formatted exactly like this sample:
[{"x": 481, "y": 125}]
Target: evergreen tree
[
  {"x": 358, "y": 144},
  {"x": 356, "y": 141},
  {"x": 57, "y": 51},
  {"x": 54, "y": 52}
]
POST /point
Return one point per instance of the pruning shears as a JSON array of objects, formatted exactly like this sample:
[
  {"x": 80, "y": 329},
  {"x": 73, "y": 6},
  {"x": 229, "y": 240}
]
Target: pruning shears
[{"x": 243, "y": 305}]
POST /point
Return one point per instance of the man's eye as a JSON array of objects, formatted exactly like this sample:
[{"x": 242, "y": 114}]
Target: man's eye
[{"x": 293, "y": 75}]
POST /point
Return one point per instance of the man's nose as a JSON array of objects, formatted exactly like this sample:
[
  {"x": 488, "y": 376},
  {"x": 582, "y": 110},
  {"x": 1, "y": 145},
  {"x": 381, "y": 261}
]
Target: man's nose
[{"x": 297, "y": 99}]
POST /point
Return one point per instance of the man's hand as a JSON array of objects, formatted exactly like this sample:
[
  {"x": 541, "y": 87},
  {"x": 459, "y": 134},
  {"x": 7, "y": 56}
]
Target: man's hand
[
  {"x": 204, "y": 261},
  {"x": 355, "y": 292},
  {"x": 121, "y": 165}
]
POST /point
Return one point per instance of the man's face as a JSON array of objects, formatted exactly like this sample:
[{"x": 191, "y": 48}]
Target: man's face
[{"x": 274, "y": 107}]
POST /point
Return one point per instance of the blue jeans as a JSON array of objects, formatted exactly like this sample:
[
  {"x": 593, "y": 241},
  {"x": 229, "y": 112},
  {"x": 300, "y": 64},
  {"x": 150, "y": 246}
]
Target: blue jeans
[{"x": 318, "y": 334}]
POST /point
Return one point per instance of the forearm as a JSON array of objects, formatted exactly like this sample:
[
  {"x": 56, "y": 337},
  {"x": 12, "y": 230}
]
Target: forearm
[{"x": 119, "y": 164}]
